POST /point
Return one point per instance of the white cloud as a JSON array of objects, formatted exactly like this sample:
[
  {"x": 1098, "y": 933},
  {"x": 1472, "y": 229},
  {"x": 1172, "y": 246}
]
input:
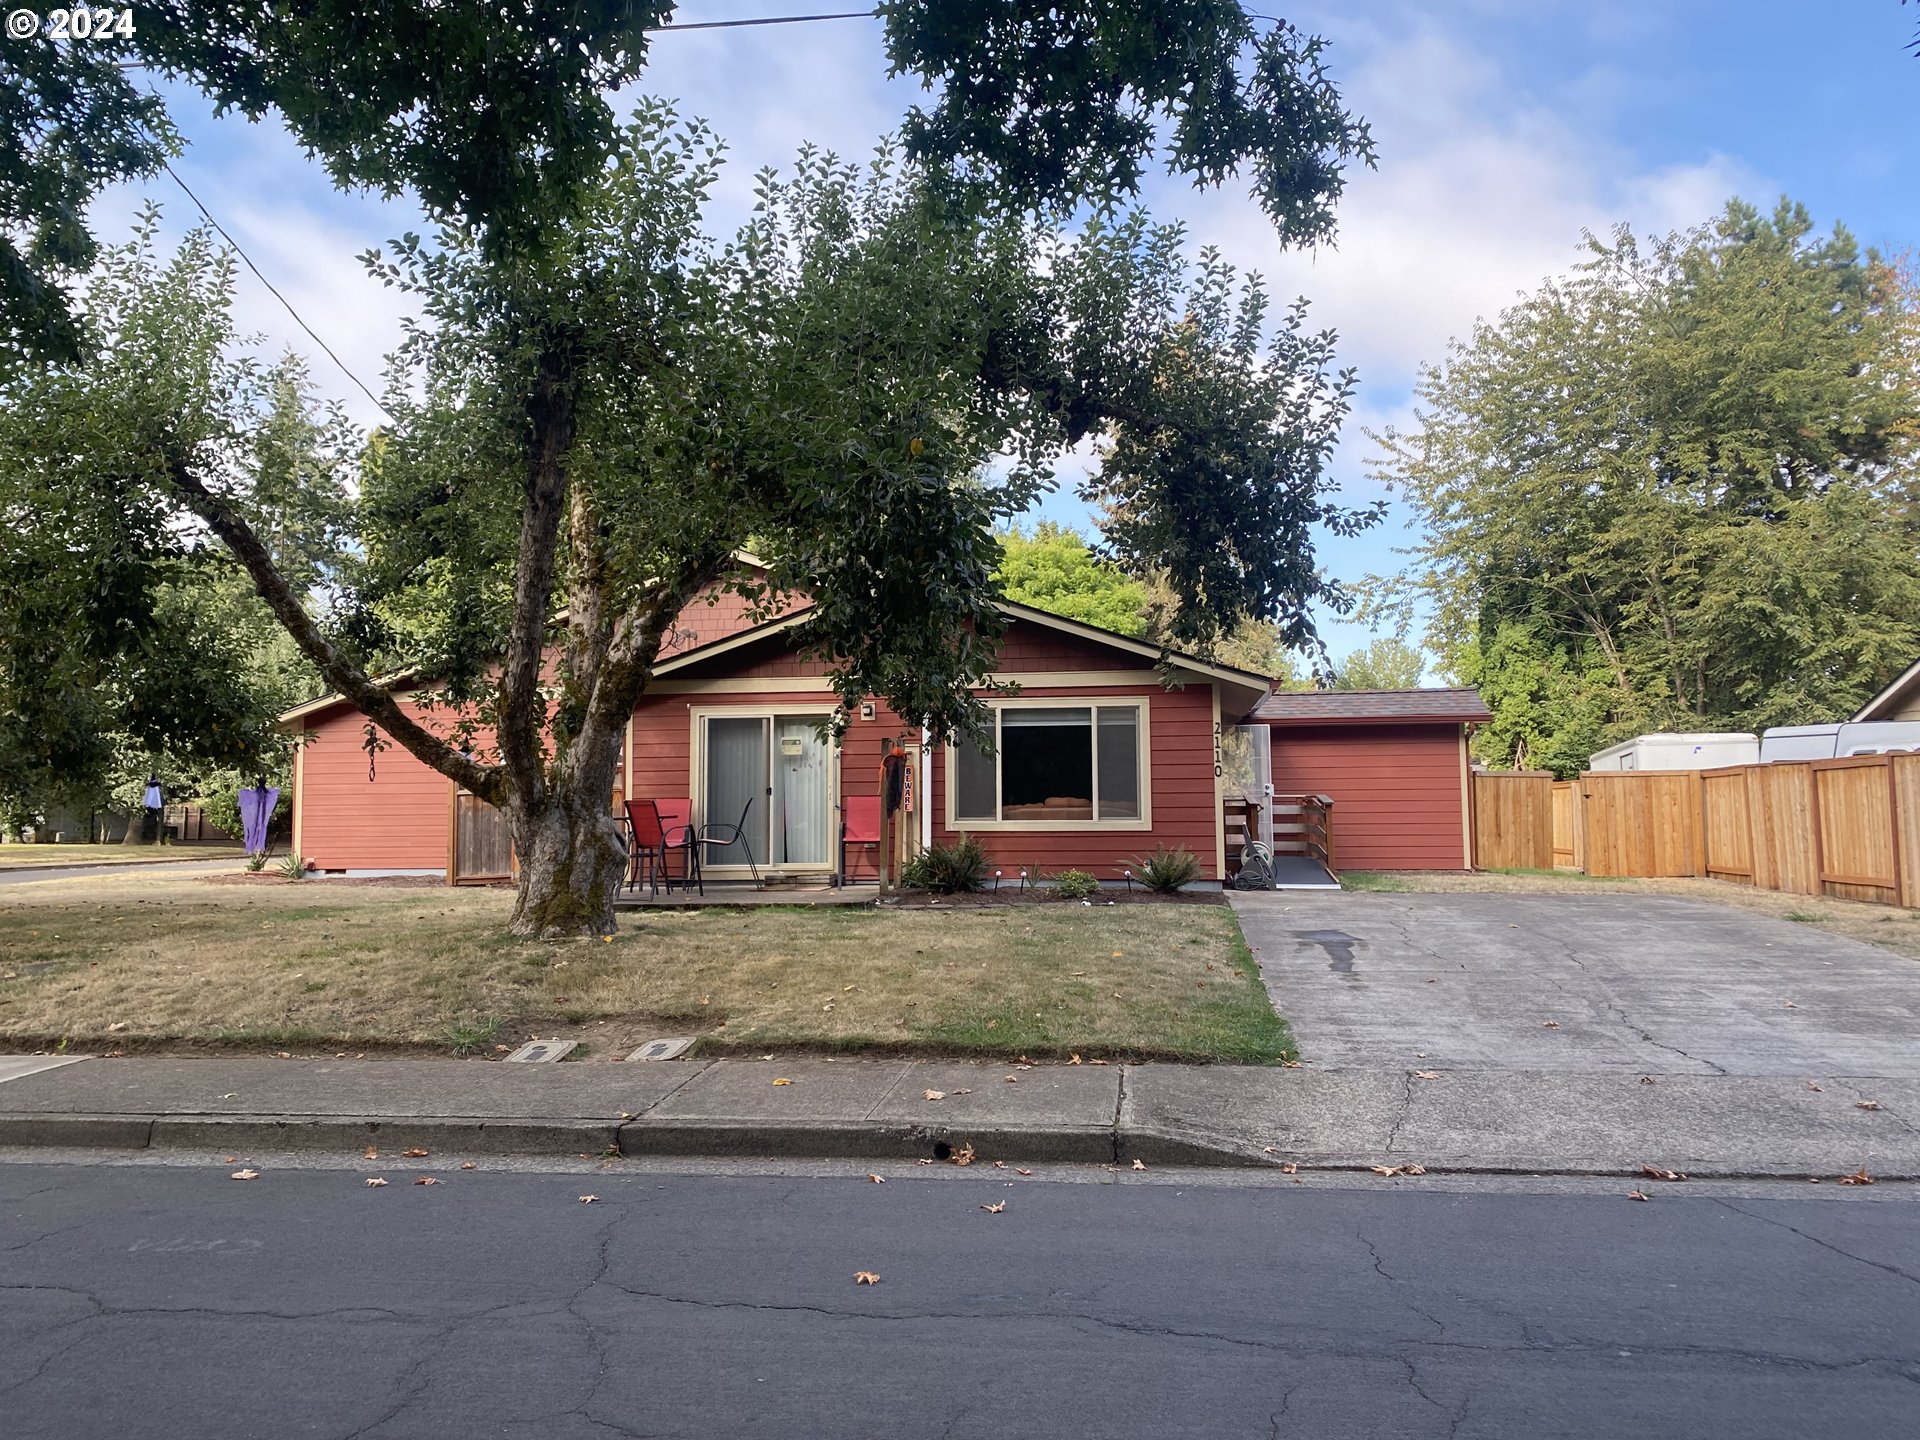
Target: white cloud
[{"x": 1481, "y": 194}]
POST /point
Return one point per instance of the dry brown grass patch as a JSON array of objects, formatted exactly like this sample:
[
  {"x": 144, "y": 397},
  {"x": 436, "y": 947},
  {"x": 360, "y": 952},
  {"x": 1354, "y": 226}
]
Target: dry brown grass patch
[{"x": 172, "y": 959}]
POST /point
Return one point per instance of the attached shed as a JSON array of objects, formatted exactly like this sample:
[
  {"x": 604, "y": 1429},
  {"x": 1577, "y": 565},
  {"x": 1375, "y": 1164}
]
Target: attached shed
[{"x": 1394, "y": 763}]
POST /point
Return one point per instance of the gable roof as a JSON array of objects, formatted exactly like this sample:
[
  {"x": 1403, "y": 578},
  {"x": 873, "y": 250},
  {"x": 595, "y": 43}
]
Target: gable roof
[
  {"x": 1895, "y": 698},
  {"x": 1314, "y": 707},
  {"x": 1251, "y": 684}
]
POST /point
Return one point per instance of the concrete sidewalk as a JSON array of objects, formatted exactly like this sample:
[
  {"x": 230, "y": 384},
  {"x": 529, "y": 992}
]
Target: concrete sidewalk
[{"x": 1465, "y": 1121}]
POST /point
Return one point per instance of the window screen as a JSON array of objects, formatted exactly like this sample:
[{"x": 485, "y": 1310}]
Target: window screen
[
  {"x": 973, "y": 786},
  {"x": 1119, "y": 754}
]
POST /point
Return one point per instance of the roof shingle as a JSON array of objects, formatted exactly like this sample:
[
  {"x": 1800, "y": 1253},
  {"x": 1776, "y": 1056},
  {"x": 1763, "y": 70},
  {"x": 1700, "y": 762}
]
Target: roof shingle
[{"x": 1308, "y": 707}]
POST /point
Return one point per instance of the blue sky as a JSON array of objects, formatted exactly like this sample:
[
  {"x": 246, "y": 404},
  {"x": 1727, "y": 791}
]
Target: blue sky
[{"x": 1505, "y": 129}]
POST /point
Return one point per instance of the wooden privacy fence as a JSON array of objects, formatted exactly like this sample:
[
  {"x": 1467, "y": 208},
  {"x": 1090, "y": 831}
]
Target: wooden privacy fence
[
  {"x": 1848, "y": 828},
  {"x": 1513, "y": 820}
]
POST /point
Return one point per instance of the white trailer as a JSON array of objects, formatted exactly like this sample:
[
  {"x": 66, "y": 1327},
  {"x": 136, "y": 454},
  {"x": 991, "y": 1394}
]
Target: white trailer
[
  {"x": 1701, "y": 750},
  {"x": 1828, "y": 742}
]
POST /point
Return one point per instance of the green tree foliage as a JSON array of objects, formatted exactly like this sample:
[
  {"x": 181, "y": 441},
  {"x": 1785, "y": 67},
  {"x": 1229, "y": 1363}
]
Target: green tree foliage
[
  {"x": 1053, "y": 570},
  {"x": 607, "y": 403},
  {"x": 1388, "y": 663},
  {"x": 1676, "y": 490},
  {"x": 71, "y": 122},
  {"x": 128, "y": 641}
]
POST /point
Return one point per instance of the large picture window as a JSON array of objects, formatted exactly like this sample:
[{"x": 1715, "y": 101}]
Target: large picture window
[{"x": 1053, "y": 764}]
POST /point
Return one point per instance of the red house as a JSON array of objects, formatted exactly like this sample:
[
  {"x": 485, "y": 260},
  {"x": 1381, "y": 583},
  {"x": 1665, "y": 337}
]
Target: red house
[{"x": 1098, "y": 758}]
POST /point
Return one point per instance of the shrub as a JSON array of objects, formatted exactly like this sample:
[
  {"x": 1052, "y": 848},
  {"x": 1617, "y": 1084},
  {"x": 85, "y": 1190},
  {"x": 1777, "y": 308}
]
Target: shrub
[
  {"x": 947, "y": 869},
  {"x": 293, "y": 867},
  {"x": 1075, "y": 885},
  {"x": 1165, "y": 871},
  {"x": 256, "y": 863}
]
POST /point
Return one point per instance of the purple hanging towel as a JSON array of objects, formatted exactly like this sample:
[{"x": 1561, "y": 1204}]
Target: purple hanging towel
[{"x": 256, "y": 807}]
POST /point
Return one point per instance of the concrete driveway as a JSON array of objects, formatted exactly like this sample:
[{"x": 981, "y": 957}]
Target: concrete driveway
[
  {"x": 1589, "y": 984},
  {"x": 1574, "y": 1033}
]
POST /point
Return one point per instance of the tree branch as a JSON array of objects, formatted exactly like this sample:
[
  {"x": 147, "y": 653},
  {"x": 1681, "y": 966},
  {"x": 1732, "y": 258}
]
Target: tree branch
[
  {"x": 550, "y": 418},
  {"x": 354, "y": 684}
]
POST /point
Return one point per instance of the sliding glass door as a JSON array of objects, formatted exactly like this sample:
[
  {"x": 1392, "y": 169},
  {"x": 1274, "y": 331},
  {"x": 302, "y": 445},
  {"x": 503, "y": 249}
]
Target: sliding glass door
[{"x": 778, "y": 771}]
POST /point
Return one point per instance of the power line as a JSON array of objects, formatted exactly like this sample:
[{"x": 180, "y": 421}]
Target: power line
[
  {"x": 767, "y": 20},
  {"x": 299, "y": 319}
]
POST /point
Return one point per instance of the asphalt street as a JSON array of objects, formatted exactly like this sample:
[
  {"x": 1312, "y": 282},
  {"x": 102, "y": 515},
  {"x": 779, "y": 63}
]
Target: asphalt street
[{"x": 161, "y": 1301}]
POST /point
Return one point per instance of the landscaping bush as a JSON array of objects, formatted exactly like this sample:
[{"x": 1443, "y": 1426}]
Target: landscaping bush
[
  {"x": 293, "y": 867},
  {"x": 1165, "y": 871},
  {"x": 947, "y": 869},
  {"x": 1075, "y": 885}
]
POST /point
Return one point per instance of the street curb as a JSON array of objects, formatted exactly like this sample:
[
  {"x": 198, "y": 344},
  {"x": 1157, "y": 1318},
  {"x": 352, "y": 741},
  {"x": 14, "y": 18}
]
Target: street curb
[
  {"x": 101, "y": 1132},
  {"x": 735, "y": 1139},
  {"x": 826, "y": 1140},
  {"x": 342, "y": 1132}
]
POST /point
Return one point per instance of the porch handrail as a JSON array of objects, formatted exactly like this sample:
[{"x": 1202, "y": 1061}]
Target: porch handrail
[{"x": 1303, "y": 825}]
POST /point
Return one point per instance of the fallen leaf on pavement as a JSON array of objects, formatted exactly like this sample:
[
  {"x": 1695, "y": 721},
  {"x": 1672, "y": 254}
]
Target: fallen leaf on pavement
[
  {"x": 1073, "y": 1060},
  {"x": 1391, "y": 1170},
  {"x": 372, "y": 1152},
  {"x": 1788, "y": 1005},
  {"x": 415, "y": 1154},
  {"x": 1426, "y": 1074},
  {"x": 999, "y": 1164},
  {"x": 1648, "y": 1080},
  {"x": 425, "y": 1180},
  {"x": 935, "y": 1094},
  {"x": 374, "y": 1182},
  {"x": 1551, "y": 1025},
  {"x": 1866, "y": 1104},
  {"x": 1636, "y": 1194},
  {"x": 923, "y": 1162},
  {"x": 1858, "y": 1177},
  {"x": 964, "y": 1155},
  {"x": 1658, "y": 1174},
  {"x": 228, "y": 1159},
  {"x": 1018, "y": 1171},
  {"x": 783, "y": 1080},
  {"x": 865, "y": 1277},
  {"x": 1291, "y": 1064},
  {"x": 962, "y": 1092},
  {"x": 1013, "y": 1079},
  {"x": 244, "y": 1175},
  {"x": 1139, "y": 1164},
  {"x": 468, "y": 1165},
  {"x": 876, "y": 1179},
  {"x": 994, "y": 1209},
  {"x": 1290, "y": 1168},
  {"x": 1812, "y": 1086},
  {"x": 589, "y": 1199}
]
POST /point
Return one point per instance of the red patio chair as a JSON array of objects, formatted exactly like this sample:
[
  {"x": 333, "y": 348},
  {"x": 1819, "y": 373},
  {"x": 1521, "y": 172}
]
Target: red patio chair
[
  {"x": 859, "y": 825},
  {"x": 649, "y": 846},
  {"x": 677, "y": 834}
]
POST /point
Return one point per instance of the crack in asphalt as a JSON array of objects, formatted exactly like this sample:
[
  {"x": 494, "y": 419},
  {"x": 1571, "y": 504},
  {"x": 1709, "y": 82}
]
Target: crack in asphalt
[{"x": 1906, "y": 1275}]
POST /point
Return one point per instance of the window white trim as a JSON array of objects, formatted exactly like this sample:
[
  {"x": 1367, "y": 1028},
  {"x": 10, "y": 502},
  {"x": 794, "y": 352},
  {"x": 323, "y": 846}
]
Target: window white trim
[{"x": 1143, "y": 739}]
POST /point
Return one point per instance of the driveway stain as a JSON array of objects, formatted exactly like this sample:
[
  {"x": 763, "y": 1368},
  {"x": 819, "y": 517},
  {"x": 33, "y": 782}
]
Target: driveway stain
[{"x": 1338, "y": 945}]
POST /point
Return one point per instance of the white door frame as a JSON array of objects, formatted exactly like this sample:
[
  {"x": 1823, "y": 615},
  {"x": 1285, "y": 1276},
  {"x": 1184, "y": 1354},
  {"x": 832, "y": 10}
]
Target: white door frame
[{"x": 697, "y": 717}]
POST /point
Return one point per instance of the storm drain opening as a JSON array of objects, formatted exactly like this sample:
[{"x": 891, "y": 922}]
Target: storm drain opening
[{"x": 942, "y": 1150}]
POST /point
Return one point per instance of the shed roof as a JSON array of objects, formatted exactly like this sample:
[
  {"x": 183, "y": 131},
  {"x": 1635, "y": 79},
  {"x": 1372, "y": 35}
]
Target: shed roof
[{"x": 1320, "y": 707}]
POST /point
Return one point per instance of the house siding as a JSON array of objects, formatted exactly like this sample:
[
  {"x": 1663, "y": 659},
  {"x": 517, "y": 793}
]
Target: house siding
[
  {"x": 1398, "y": 802},
  {"x": 396, "y": 821}
]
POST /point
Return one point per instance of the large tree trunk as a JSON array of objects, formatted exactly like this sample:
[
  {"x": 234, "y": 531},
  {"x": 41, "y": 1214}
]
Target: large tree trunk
[{"x": 572, "y": 859}]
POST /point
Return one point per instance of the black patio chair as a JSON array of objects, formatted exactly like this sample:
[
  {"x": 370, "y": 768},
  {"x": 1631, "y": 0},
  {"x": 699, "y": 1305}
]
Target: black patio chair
[{"x": 723, "y": 836}]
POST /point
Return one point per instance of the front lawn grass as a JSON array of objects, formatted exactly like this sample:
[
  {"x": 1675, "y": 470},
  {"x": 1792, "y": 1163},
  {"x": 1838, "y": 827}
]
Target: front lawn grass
[
  {"x": 35, "y": 857},
  {"x": 170, "y": 961}
]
